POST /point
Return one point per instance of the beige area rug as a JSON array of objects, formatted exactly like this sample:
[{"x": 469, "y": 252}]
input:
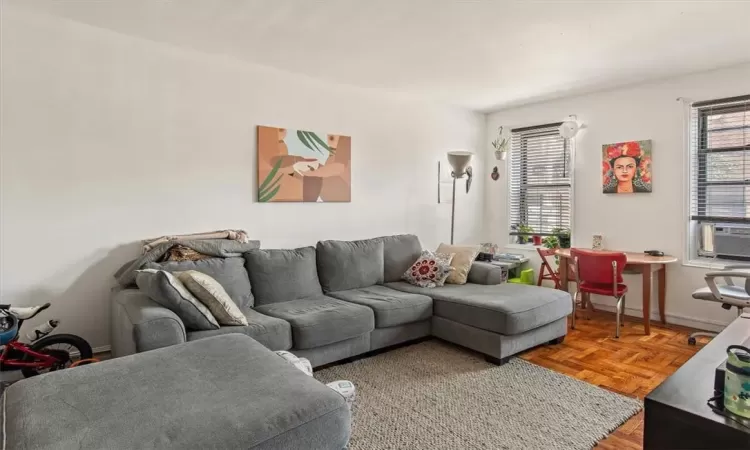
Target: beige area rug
[{"x": 433, "y": 395}]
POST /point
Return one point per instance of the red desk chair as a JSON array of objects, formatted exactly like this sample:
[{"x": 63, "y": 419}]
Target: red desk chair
[
  {"x": 599, "y": 272},
  {"x": 547, "y": 273}
]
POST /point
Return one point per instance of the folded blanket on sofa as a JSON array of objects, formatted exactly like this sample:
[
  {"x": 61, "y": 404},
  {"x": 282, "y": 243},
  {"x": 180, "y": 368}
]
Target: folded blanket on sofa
[
  {"x": 236, "y": 235},
  {"x": 220, "y": 248}
]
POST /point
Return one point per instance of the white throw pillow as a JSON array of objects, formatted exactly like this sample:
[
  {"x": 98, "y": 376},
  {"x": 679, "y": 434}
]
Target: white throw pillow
[
  {"x": 212, "y": 294},
  {"x": 464, "y": 256}
]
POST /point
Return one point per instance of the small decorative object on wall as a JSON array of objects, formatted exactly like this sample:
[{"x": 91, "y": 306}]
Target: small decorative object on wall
[
  {"x": 303, "y": 166},
  {"x": 495, "y": 174},
  {"x": 626, "y": 167},
  {"x": 501, "y": 145},
  {"x": 596, "y": 244}
]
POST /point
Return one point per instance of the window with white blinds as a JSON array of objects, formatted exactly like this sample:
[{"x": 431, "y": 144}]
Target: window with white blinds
[
  {"x": 720, "y": 161},
  {"x": 540, "y": 182}
]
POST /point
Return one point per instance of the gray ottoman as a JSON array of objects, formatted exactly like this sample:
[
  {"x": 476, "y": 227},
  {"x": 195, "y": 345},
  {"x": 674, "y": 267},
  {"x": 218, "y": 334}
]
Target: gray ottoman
[{"x": 224, "y": 392}]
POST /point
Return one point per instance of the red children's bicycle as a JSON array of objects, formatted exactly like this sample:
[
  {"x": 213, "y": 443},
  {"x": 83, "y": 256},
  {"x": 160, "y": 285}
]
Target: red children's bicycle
[{"x": 43, "y": 355}]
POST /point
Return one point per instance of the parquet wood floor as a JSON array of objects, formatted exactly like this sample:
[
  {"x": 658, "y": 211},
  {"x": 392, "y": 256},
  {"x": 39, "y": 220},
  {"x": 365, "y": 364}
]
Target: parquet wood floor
[{"x": 632, "y": 365}]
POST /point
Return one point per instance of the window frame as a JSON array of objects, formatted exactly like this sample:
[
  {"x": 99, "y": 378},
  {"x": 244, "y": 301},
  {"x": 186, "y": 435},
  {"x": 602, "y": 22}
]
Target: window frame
[
  {"x": 569, "y": 148},
  {"x": 702, "y": 162},
  {"x": 698, "y": 161}
]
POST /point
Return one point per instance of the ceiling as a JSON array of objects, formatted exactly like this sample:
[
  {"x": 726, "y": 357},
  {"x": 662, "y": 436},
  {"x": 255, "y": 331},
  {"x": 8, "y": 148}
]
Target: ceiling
[{"x": 482, "y": 55}]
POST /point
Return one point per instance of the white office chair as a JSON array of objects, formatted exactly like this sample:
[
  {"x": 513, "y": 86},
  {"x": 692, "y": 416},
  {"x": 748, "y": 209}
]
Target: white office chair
[{"x": 728, "y": 294}]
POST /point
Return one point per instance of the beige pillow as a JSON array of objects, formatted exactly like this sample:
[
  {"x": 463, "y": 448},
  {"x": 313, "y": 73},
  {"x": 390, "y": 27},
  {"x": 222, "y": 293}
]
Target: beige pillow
[
  {"x": 464, "y": 255},
  {"x": 212, "y": 294}
]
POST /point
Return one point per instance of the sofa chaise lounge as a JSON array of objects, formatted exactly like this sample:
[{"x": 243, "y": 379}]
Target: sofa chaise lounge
[{"x": 344, "y": 298}]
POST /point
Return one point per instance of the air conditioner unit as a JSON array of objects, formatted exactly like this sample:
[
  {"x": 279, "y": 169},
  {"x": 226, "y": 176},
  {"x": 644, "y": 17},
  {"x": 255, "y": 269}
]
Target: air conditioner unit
[{"x": 732, "y": 240}]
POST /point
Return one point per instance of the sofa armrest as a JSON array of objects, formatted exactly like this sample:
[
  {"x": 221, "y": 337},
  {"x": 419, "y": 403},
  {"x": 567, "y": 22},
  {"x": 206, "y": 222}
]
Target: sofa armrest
[
  {"x": 140, "y": 324},
  {"x": 486, "y": 273}
]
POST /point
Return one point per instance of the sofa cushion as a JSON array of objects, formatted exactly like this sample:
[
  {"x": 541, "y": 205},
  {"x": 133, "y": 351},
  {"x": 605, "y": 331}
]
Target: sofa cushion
[
  {"x": 322, "y": 320},
  {"x": 210, "y": 292},
  {"x": 502, "y": 308},
  {"x": 166, "y": 290},
  {"x": 429, "y": 270},
  {"x": 282, "y": 275},
  {"x": 229, "y": 272},
  {"x": 463, "y": 256},
  {"x": 344, "y": 265},
  {"x": 391, "y": 307},
  {"x": 399, "y": 253},
  {"x": 275, "y": 334},
  {"x": 225, "y": 392}
]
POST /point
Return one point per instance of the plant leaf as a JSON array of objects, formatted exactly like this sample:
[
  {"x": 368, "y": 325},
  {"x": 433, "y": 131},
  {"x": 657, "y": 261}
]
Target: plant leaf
[
  {"x": 273, "y": 184},
  {"x": 270, "y": 195},
  {"x": 270, "y": 175},
  {"x": 302, "y": 136},
  {"x": 320, "y": 141}
]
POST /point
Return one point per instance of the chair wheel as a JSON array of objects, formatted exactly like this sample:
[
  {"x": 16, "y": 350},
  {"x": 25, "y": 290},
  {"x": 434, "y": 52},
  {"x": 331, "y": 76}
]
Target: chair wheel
[{"x": 691, "y": 341}]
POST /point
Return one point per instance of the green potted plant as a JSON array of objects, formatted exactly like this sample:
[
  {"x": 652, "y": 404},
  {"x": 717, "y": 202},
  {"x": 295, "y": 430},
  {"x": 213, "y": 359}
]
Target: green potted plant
[
  {"x": 563, "y": 237},
  {"x": 525, "y": 231}
]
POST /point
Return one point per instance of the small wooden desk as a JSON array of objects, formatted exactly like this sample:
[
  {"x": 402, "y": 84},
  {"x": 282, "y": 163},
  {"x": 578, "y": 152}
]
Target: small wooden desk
[{"x": 637, "y": 263}]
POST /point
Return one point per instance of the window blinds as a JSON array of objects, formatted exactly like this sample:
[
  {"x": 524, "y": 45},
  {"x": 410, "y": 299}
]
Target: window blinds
[
  {"x": 540, "y": 187},
  {"x": 720, "y": 160}
]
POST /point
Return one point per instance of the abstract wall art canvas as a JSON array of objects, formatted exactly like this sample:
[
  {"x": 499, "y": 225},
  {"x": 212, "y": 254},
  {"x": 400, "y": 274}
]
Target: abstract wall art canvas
[
  {"x": 303, "y": 166},
  {"x": 626, "y": 167}
]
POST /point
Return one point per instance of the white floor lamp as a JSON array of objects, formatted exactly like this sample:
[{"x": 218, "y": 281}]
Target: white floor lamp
[{"x": 459, "y": 161}]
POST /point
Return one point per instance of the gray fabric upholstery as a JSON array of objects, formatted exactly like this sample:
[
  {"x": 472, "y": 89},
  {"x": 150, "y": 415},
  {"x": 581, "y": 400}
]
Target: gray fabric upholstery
[
  {"x": 494, "y": 344},
  {"x": 385, "y": 337},
  {"x": 337, "y": 351},
  {"x": 486, "y": 273},
  {"x": 164, "y": 289},
  {"x": 282, "y": 275},
  {"x": 229, "y": 272},
  {"x": 344, "y": 265},
  {"x": 399, "y": 253},
  {"x": 274, "y": 334},
  {"x": 222, "y": 248},
  {"x": 140, "y": 324},
  {"x": 391, "y": 307},
  {"x": 505, "y": 308},
  {"x": 321, "y": 320},
  {"x": 220, "y": 392}
]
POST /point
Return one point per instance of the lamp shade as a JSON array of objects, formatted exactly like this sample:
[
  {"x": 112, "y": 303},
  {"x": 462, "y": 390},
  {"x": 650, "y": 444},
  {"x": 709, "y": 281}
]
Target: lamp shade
[{"x": 459, "y": 161}]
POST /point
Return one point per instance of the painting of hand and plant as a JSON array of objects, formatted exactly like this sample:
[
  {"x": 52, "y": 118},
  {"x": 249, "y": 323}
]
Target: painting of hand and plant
[{"x": 303, "y": 166}]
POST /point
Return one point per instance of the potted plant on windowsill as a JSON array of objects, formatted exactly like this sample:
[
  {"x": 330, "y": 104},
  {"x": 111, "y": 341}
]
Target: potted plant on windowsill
[{"x": 524, "y": 233}]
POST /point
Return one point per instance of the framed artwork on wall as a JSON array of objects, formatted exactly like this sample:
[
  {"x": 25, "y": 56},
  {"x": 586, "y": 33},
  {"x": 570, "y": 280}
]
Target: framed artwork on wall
[
  {"x": 303, "y": 166},
  {"x": 626, "y": 167}
]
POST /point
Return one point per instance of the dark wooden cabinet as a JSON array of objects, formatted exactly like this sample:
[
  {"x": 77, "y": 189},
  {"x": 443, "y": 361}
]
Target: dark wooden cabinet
[{"x": 676, "y": 413}]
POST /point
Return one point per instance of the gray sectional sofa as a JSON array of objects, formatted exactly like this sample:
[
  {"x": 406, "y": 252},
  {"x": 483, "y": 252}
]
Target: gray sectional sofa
[
  {"x": 223, "y": 392},
  {"x": 344, "y": 298}
]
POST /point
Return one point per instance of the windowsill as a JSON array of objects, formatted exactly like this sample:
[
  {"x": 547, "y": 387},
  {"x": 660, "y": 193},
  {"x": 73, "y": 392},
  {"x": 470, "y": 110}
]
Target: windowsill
[
  {"x": 527, "y": 247},
  {"x": 707, "y": 263}
]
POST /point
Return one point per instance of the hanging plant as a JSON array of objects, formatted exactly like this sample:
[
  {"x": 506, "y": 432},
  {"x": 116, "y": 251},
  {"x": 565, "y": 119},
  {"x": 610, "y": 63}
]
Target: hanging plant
[{"x": 500, "y": 144}]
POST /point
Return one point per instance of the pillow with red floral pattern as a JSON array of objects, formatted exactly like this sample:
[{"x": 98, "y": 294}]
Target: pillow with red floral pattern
[{"x": 429, "y": 270}]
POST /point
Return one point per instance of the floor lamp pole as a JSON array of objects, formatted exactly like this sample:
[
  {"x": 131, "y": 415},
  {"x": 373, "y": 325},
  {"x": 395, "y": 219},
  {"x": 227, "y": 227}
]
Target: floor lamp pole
[{"x": 453, "y": 208}]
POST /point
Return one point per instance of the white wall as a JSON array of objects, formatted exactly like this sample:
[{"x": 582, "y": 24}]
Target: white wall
[
  {"x": 630, "y": 222},
  {"x": 109, "y": 139}
]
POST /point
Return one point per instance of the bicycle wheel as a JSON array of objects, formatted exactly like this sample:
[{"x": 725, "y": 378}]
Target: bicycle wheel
[{"x": 66, "y": 348}]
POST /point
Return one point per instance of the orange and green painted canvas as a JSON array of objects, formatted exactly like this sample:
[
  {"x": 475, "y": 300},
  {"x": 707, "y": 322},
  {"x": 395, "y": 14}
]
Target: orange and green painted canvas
[{"x": 303, "y": 166}]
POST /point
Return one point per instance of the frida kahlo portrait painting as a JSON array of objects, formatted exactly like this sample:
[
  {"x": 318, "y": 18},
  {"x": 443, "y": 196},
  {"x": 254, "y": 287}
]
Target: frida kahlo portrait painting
[
  {"x": 303, "y": 166},
  {"x": 626, "y": 167}
]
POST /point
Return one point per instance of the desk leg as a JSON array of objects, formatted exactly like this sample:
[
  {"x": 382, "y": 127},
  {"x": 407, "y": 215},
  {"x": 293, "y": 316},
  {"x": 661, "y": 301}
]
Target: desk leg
[
  {"x": 662, "y": 276},
  {"x": 563, "y": 271},
  {"x": 646, "y": 272}
]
